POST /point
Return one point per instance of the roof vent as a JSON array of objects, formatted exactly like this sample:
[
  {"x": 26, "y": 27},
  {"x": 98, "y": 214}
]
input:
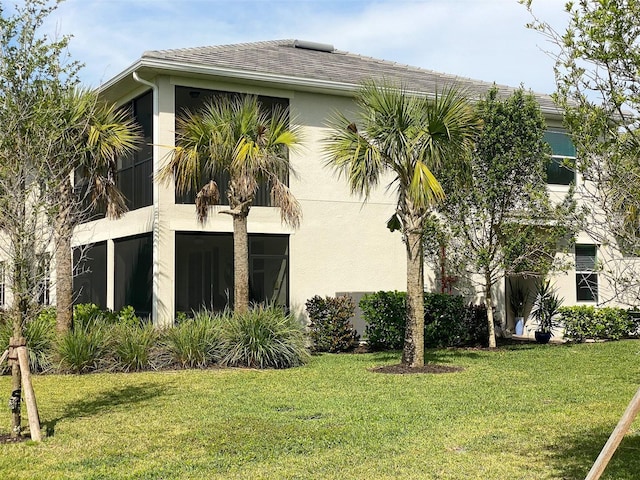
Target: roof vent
[{"x": 319, "y": 47}]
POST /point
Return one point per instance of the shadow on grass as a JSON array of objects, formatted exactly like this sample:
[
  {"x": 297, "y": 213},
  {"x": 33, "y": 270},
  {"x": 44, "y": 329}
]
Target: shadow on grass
[
  {"x": 449, "y": 355},
  {"x": 122, "y": 397},
  {"x": 575, "y": 456},
  {"x": 386, "y": 355}
]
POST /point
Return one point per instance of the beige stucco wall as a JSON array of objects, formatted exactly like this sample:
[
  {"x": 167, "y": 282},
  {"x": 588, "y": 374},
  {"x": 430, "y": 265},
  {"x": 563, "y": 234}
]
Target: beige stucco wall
[{"x": 341, "y": 245}]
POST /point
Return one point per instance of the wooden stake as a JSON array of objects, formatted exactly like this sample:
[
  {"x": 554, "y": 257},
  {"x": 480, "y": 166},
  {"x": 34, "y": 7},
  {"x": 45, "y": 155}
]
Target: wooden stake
[
  {"x": 29, "y": 395},
  {"x": 616, "y": 437},
  {"x": 4, "y": 356}
]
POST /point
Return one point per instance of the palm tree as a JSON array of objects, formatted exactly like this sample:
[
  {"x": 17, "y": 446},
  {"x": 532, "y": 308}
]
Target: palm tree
[
  {"x": 237, "y": 137},
  {"x": 95, "y": 134},
  {"x": 408, "y": 136}
]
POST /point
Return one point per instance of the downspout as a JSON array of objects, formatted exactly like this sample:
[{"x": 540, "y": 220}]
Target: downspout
[{"x": 156, "y": 209}]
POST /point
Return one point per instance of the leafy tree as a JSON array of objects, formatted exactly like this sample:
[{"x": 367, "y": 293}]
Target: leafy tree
[
  {"x": 235, "y": 136},
  {"x": 407, "y": 136},
  {"x": 597, "y": 59},
  {"x": 34, "y": 74},
  {"x": 503, "y": 214}
]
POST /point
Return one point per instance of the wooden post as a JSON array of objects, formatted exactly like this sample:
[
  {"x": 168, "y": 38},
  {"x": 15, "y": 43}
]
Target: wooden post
[
  {"x": 616, "y": 437},
  {"x": 4, "y": 356},
  {"x": 29, "y": 395}
]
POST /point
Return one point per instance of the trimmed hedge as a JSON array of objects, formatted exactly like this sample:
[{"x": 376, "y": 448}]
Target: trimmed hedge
[
  {"x": 384, "y": 313},
  {"x": 587, "y": 322},
  {"x": 448, "y": 321}
]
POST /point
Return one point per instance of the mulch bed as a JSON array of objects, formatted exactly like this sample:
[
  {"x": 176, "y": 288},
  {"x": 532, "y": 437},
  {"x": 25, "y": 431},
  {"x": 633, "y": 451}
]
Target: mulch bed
[
  {"x": 405, "y": 370},
  {"x": 7, "y": 438}
]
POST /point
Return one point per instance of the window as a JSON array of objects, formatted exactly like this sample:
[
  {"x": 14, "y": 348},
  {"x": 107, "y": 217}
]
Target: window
[
  {"x": 44, "y": 279},
  {"x": 3, "y": 298},
  {"x": 269, "y": 269},
  {"x": 134, "y": 175},
  {"x": 586, "y": 277},
  {"x": 204, "y": 270},
  {"x": 193, "y": 99},
  {"x": 133, "y": 272},
  {"x": 563, "y": 154},
  {"x": 90, "y": 274},
  {"x": 135, "y": 172}
]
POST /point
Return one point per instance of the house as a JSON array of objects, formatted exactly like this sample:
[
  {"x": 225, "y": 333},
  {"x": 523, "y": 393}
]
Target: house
[{"x": 159, "y": 259}]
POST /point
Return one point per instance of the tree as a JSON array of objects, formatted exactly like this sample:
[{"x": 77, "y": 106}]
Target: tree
[
  {"x": 503, "y": 215},
  {"x": 407, "y": 136},
  {"x": 34, "y": 73},
  {"x": 238, "y": 137},
  {"x": 92, "y": 136},
  {"x": 597, "y": 59}
]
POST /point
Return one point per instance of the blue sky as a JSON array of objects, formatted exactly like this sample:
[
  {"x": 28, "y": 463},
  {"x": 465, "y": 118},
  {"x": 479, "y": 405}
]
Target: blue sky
[{"x": 481, "y": 39}]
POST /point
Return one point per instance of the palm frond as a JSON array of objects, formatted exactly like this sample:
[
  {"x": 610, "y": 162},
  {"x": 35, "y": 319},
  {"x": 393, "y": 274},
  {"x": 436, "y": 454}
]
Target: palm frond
[
  {"x": 207, "y": 196},
  {"x": 290, "y": 209}
]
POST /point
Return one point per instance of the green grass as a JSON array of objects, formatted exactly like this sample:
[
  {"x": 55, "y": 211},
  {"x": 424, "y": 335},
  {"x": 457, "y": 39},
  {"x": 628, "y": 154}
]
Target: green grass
[{"x": 528, "y": 412}]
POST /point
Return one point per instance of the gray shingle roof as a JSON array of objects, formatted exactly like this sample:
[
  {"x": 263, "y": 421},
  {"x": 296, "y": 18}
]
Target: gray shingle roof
[{"x": 281, "y": 57}]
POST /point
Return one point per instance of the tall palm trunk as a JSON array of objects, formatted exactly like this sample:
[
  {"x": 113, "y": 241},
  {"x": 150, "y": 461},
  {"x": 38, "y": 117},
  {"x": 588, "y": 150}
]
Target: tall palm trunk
[
  {"x": 488, "y": 301},
  {"x": 413, "y": 352},
  {"x": 64, "y": 263},
  {"x": 240, "y": 263}
]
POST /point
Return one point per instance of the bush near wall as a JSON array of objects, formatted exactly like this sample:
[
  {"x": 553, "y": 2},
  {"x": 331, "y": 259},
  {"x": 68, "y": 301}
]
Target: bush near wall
[
  {"x": 384, "y": 313},
  {"x": 331, "y": 329},
  {"x": 584, "y": 322},
  {"x": 448, "y": 321}
]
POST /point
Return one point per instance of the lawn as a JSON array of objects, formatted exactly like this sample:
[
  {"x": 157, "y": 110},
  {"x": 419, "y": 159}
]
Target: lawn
[{"x": 522, "y": 412}]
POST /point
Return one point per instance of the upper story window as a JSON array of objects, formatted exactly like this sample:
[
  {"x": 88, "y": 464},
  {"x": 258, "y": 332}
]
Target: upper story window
[
  {"x": 193, "y": 99},
  {"x": 135, "y": 172},
  {"x": 563, "y": 155}
]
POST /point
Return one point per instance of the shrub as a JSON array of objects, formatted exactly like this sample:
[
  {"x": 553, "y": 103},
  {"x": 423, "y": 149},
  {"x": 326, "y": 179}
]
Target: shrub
[
  {"x": 331, "y": 329},
  {"x": 131, "y": 347},
  {"x": 40, "y": 334},
  {"x": 448, "y": 322},
  {"x": 384, "y": 313},
  {"x": 585, "y": 321},
  {"x": 85, "y": 315},
  {"x": 193, "y": 342},
  {"x": 263, "y": 337},
  {"x": 475, "y": 326},
  {"x": 443, "y": 316},
  {"x": 126, "y": 316},
  {"x": 82, "y": 349}
]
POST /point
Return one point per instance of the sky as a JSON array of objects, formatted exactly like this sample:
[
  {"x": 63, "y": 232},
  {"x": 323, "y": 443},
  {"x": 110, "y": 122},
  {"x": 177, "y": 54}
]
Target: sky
[{"x": 480, "y": 39}]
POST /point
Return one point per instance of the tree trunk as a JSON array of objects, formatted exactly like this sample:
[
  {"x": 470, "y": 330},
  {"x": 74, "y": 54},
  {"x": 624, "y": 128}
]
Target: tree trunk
[
  {"x": 64, "y": 262},
  {"x": 488, "y": 302},
  {"x": 413, "y": 352},
  {"x": 16, "y": 376},
  {"x": 240, "y": 264}
]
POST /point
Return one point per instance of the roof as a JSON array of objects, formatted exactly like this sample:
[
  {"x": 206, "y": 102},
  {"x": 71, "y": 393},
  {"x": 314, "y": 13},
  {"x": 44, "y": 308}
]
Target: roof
[{"x": 307, "y": 64}]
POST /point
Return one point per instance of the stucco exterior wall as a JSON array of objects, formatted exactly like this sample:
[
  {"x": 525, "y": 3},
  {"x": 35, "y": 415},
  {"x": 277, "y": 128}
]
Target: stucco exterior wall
[{"x": 342, "y": 244}]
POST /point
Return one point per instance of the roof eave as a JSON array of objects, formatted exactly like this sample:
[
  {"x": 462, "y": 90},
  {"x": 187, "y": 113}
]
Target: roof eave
[{"x": 166, "y": 66}]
